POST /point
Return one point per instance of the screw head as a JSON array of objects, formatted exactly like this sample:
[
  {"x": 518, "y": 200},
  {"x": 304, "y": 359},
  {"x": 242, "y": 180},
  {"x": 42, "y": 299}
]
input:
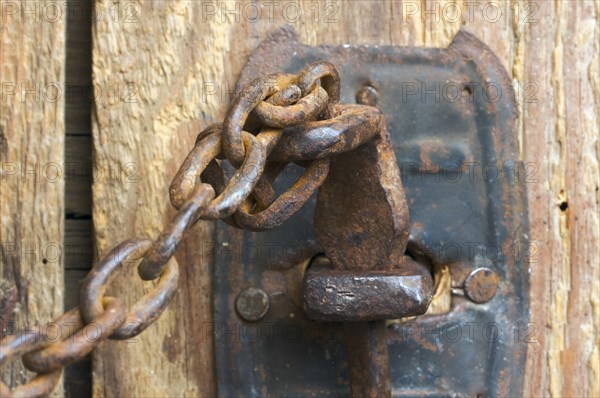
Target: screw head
[
  {"x": 252, "y": 304},
  {"x": 367, "y": 96},
  {"x": 481, "y": 285}
]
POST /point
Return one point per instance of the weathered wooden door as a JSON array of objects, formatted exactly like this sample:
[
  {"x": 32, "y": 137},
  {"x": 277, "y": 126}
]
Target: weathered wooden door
[{"x": 163, "y": 70}]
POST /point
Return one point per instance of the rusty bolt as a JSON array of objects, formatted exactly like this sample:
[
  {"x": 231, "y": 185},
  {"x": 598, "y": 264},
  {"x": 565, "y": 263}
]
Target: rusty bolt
[
  {"x": 252, "y": 304},
  {"x": 481, "y": 285},
  {"x": 367, "y": 96}
]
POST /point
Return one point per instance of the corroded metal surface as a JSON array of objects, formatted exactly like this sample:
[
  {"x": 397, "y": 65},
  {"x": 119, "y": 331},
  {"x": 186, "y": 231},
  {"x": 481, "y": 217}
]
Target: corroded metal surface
[
  {"x": 252, "y": 304},
  {"x": 362, "y": 225},
  {"x": 368, "y": 359},
  {"x": 441, "y": 144},
  {"x": 148, "y": 308},
  {"x": 361, "y": 217},
  {"x": 358, "y": 295},
  {"x": 349, "y": 127},
  {"x": 481, "y": 285},
  {"x": 282, "y": 208},
  {"x": 72, "y": 348}
]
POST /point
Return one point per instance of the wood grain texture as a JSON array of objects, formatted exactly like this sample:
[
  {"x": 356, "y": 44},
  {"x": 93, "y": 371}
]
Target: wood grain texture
[
  {"x": 32, "y": 58},
  {"x": 183, "y": 56},
  {"x": 561, "y": 134}
]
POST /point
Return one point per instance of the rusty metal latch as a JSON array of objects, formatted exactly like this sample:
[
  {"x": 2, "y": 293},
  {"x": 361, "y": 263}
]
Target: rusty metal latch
[
  {"x": 362, "y": 225},
  {"x": 353, "y": 295}
]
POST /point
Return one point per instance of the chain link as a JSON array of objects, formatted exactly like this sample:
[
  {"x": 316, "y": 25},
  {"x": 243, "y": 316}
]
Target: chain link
[{"x": 274, "y": 121}]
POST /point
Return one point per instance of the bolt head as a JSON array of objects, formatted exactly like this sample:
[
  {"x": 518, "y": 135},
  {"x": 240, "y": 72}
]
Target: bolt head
[
  {"x": 252, "y": 304},
  {"x": 481, "y": 285},
  {"x": 367, "y": 96}
]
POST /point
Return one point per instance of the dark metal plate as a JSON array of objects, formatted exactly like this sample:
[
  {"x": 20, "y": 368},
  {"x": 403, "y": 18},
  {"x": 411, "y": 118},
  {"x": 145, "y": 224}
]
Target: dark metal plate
[{"x": 451, "y": 113}]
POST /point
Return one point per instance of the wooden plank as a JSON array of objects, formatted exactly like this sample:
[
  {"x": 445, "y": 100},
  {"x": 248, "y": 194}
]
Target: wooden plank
[
  {"x": 150, "y": 132},
  {"x": 561, "y": 136},
  {"x": 549, "y": 49},
  {"x": 32, "y": 67}
]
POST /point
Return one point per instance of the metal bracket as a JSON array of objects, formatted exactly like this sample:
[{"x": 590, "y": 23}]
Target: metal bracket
[{"x": 451, "y": 115}]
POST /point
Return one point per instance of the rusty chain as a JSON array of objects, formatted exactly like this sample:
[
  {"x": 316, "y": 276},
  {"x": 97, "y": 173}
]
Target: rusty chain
[{"x": 273, "y": 121}]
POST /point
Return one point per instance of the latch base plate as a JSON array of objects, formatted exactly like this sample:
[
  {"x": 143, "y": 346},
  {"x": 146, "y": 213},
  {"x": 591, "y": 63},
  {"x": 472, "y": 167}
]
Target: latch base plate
[{"x": 451, "y": 114}]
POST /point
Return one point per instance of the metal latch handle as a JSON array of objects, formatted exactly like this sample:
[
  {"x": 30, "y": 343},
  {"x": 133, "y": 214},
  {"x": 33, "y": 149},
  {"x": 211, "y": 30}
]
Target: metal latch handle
[{"x": 362, "y": 224}]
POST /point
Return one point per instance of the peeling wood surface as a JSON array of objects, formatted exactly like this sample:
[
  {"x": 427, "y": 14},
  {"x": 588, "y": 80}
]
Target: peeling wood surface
[
  {"x": 174, "y": 63},
  {"x": 32, "y": 130}
]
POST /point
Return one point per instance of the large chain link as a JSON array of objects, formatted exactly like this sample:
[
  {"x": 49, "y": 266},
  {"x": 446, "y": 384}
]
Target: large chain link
[{"x": 273, "y": 121}]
